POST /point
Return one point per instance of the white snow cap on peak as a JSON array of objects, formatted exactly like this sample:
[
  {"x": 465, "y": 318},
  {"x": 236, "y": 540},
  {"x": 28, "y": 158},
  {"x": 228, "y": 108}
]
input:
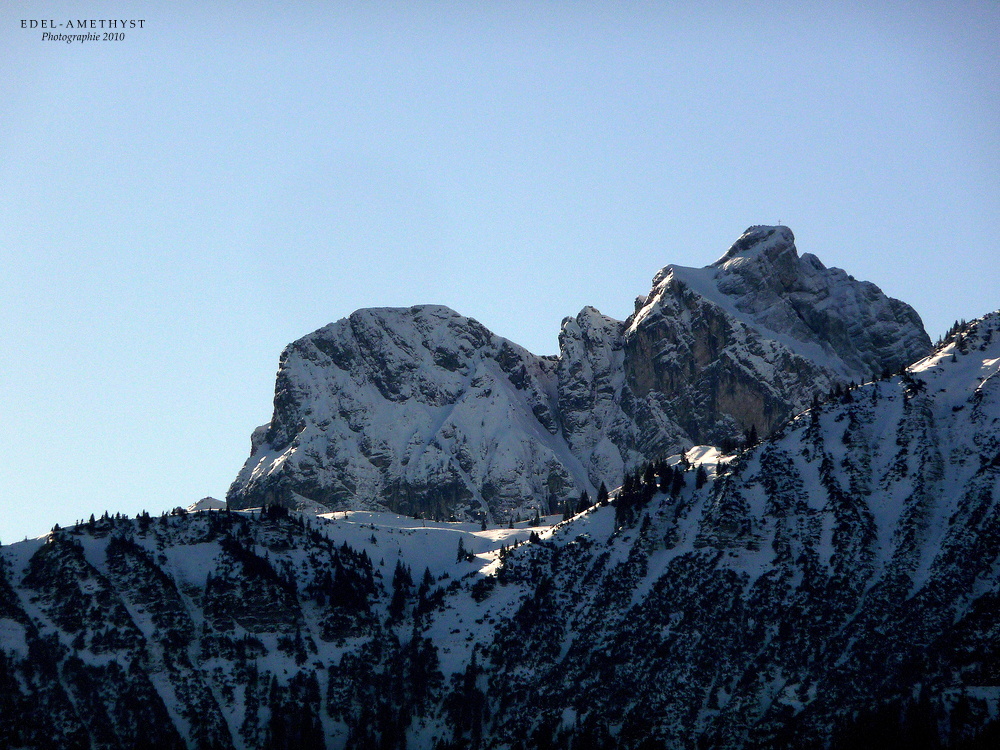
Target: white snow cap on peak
[
  {"x": 207, "y": 503},
  {"x": 760, "y": 239}
]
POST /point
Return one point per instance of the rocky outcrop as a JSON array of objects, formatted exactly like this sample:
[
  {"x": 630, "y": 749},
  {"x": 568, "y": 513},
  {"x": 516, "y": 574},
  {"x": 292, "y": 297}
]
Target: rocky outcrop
[
  {"x": 746, "y": 341},
  {"x": 591, "y": 389},
  {"x": 422, "y": 410},
  {"x": 797, "y": 299},
  {"x": 416, "y": 410}
]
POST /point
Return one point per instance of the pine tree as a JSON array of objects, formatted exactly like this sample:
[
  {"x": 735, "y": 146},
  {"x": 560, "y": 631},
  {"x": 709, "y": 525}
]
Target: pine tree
[
  {"x": 401, "y": 583},
  {"x": 424, "y": 591},
  {"x": 678, "y": 483},
  {"x": 665, "y": 475},
  {"x": 628, "y": 486}
]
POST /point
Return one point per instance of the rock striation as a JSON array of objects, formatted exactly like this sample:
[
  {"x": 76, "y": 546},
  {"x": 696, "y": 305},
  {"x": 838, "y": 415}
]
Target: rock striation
[
  {"x": 417, "y": 410},
  {"x": 422, "y": 410}
]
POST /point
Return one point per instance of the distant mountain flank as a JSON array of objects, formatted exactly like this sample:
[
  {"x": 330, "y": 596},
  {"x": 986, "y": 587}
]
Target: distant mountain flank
[{"x": 424, "y": 411}]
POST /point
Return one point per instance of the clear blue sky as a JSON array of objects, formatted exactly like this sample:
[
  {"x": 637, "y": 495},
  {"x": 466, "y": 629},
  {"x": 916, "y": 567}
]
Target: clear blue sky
[{"x": 178, "y": 206}]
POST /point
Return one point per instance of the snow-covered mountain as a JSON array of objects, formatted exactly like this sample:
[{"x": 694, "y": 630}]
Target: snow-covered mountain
[
  {"x": 832, "y": 586},
  {"x": 422, "y": 410},
  {"x": 418, "y": 410}
]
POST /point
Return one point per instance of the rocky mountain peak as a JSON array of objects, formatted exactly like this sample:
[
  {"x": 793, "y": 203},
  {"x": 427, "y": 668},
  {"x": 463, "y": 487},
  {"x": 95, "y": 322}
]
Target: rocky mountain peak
[
  {"x": 422, "y": 410},
  {"x": 764, "y": 260},
  {"x": 850, "y": 327},
  {"x": 761, "y": 241}
]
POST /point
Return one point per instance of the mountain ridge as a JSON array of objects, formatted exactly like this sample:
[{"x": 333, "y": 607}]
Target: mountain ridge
[
  {"x": 835, "y": 583},
  {"x": 700, "y": 361}
]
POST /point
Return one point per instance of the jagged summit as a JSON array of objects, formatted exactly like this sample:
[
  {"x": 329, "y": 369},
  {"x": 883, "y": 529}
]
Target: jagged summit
[
  {"x": 765, "y": 246},
  {"x": 424, "y": 410},
  {"x": 761, "y": 239},
  {"x": 847, "y": 326}
]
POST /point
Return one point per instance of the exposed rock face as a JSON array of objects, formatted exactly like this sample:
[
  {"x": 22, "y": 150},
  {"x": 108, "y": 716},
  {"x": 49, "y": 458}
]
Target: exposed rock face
[
  {"x": 418, "y": 410},
  {"x": 423, "y": 410},
  {"x": 746, "y": 341},
  {"x": 799, "y": 298},
  {"x": 592, "y": 387}
]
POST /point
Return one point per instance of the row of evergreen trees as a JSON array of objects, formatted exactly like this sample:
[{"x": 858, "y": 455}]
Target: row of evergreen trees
[{"x": 640, "y": 487}]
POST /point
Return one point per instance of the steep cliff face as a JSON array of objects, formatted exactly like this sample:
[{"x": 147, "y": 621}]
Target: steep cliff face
[
  {"x": 806, "y": 305},
  {"x": 591, "y": 388},
  {"x": 421, "y": 410},
  {"x": 712, "y": 352},
  {"x": 835, "y": 585},
  {"x": 415, "y": 410},
  {"x": 746, "y": 341}
]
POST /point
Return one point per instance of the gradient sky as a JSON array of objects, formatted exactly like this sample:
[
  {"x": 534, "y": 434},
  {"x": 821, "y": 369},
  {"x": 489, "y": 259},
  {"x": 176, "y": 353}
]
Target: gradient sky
[{"x": 177, "y": 207}]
